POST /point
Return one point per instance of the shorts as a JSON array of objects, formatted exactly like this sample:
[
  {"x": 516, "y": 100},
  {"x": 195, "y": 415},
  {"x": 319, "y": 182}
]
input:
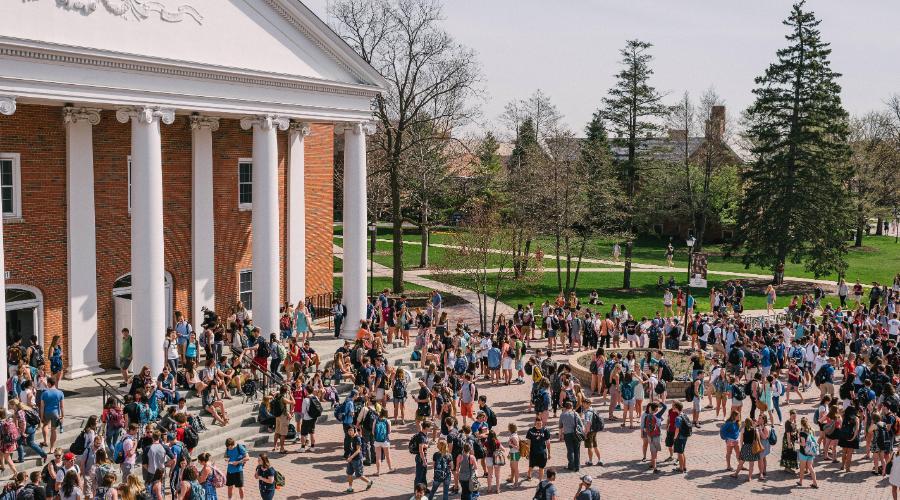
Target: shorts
[
  {"x": 52, "y": 418},
  {"x": 355, "y": 468},
  {"x": 670, "y": 439},
  {"x": 308, "y": 427},
  {"x": 384, "y": 445},
  {"x": 489, "y": 461},
  {"x": 124, "y": 363},
  {"x": 629, "y": 404},
  {"x": 537, "y": 460},
  {"x": 379, "y": 394},
  {"x": 235, "y": 479},
  {"x": 590, "y": 440},
  {"x": 465, "y": 410},
  {"x": 507, "y": 363},
  {"x": 679, "y": 445},
  {"x": 697, "y": 404},
  {"x": 654, "y": 444},
  {"x": 551, "y": 334}
]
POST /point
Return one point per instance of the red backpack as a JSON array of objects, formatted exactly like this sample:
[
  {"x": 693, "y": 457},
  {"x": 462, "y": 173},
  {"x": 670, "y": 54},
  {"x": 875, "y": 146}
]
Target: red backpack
[{"x": 9, "y": 432}]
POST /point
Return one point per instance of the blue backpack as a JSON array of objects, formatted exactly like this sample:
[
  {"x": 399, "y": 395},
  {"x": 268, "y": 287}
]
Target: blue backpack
[
  {"x": 460, "y": 366},
  {"x": 341, "y": 411},
  {"x": 119, "y": 451},
  {"x": 381, "y": 430}
]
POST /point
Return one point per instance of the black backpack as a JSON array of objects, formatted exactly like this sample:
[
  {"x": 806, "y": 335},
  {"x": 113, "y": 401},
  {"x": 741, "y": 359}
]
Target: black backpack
[
  {"x": 734, "y": 356},
  {"x": 37, "y": 356},
  {"x": 737, "y": 392},
  {"x": 820, "y": 375},
  {"x": 414, "y": 443},
  {"x": 190, "y": 438},
  {"x": 315, "y": 407},
  {"x": 667, "y": 374},
  {"x": 660, "y": 387},
  {"x": 263, "y": 350},
  {"x": 686, "y": 428},
  {"x": 491, "y": 417},
  {"x": 277, "y": 407},
  {"x": 541, "y": 493},
  {"x": 32, "y": 418},
  {"x": 77, "y": 447}
]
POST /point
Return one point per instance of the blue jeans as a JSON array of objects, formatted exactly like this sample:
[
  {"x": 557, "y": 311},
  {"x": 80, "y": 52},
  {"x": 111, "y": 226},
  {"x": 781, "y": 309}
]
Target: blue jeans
[
  {"x": 28, "y": 439},
  {"x": 573, "y": 451},
  {"x": 112, "y": 436},
  {"x": 775, "y": 403},
  {"x": 434, "y": 487}
]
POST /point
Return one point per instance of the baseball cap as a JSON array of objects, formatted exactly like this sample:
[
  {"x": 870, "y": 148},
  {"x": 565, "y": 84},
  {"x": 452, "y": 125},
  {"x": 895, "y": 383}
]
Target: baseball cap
[
  {"x": 69, "y": 456},
  {"x": 586, "y": 479}
]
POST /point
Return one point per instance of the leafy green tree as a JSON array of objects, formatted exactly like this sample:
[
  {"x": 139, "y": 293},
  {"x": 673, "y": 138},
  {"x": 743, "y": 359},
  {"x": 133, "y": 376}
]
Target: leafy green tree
[
  {"x": 794, "y": 191},
  {"x": 631, "y": 109}
]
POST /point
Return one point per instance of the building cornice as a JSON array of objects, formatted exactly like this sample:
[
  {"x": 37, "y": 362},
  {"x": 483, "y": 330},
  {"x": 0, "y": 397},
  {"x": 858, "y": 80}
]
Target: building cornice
[{"x": 105, "y": 59}]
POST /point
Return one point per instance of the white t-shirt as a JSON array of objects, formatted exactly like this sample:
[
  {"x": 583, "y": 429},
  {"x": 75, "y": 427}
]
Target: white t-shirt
[
  {"x": 893, "y": 327},
  {"x": 667, "y": 298},
  {"x": 171, "y": 348},
  {"x": 810, "y": 352}
]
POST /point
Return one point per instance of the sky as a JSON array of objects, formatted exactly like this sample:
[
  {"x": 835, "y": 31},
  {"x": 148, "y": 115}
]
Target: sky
[{"x": 570, "y": 48}]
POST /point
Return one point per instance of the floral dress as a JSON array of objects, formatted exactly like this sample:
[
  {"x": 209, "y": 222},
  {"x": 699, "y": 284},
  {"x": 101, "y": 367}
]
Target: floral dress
[{"x": 788, "y": 446}]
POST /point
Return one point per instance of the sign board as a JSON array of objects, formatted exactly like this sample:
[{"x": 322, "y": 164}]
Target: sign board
[
  {"x": 7, "y": 275},
  {"x": 698, "y": 269}
]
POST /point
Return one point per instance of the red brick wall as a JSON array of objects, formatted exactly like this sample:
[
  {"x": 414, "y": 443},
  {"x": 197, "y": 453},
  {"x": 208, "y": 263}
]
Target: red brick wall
[
  {"x": 36, "y": 248},
  {"x": 319, "y": 172}
]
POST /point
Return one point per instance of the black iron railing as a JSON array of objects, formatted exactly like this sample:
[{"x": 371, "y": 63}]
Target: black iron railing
[
  {"x": 320, "y": 306},
  {"x": 109, "y": 391}
]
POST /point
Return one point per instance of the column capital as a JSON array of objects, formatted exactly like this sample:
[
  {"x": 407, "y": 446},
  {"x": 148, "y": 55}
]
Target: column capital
[
  {"x": 7, "y": 105},
  {"x": 357, "y": 128},
  {"x": 301, "y": 128},
  {"x": 265, "y": 122},
  {"x": 74, "y": 115},
  {"x": 200, "y": 122},
  {"x": 146, "y": 114}
]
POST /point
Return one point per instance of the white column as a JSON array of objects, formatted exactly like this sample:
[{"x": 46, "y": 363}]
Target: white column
[
  {"x": 266, "y": 262},
  {"x": 296, "y": 214},
  {"x": 7, "y": 107},
  {"x": 354, "y": 283},
  {"x": 147, "y": 257},
  {"x": 202, "y": 227},
  {"x": 81, "y": 241}
]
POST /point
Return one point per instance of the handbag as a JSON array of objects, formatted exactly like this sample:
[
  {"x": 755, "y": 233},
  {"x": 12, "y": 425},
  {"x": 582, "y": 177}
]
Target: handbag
[
  {"x": 499, "y": 457},
  {"x": 761, "y": 406},
  {"x": 474, "y": 483},
  {"x": 756, "y": 448}
]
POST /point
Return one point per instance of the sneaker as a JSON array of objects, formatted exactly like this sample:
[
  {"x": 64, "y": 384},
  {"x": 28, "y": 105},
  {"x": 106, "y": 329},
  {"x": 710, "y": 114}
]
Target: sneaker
[
  {"x": 123, "y": 384},
  {"x": 588, "y": 463},
  {"x": 599, "y": 463}
]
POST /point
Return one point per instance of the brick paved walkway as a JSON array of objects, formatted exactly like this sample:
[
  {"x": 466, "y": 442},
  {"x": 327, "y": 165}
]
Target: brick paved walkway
[{"x": 624, "y": 476}]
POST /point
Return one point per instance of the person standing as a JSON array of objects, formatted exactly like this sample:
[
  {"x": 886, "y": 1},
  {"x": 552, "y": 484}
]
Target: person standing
[
  {"x": 355, "y": 461},
  {"x": 52, "y": 410},
  {"x": 125, "y": 357},
  {"x": 265, "y": 474},
  {"x": 441, "y": 460},
  {"x": 466, "y": 469},
  {"x": 236, "y": 456},
  {"x": 568, "y": 427},
  {"x": 184, "y": 330},
  {"x": 421, "y": 441},
  {"x": 683, "y": 431},
  {"x": 539, "y": 448}
]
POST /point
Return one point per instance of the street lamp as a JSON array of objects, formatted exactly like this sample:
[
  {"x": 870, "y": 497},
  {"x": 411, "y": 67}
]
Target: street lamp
[
  {"x": 690, "y": 243},
  {"x": 373, "y": 232}
]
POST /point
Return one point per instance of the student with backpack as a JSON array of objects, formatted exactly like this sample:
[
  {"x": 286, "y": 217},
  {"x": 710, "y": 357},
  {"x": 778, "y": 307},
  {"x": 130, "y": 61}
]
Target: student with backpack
[
  {"x": 442, "y": 464},
  {"x": 466, "y": 470},
  {"x": 355, "y": 461},
  {"x": 381, "y": 435},
  {"x": 235, "y": 456},
  {"x": 593, "y": 424},
  {"x": 310, "y": 411},
  {"x": 9, "y": 440},
  {"x": 683, "y": 431},
  {"x": 546, "y": 490},
  {"x": 807, "y": 452}
]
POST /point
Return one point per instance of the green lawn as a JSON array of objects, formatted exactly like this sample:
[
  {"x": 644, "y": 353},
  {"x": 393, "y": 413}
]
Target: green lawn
[
  {"x": 380, "y": 283},
  {"x": 643, "y": 300},
  {"x": 877, "y": 260}
]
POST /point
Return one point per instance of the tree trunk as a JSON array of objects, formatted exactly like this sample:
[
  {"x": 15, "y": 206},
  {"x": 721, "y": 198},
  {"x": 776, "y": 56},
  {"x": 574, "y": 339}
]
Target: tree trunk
[
  {"x": 525, "y": 255},
  {"x": 578, "y": 264},
  {"x": 626, "y": 275},
  {"x": 397, "y": 228},
  {"x": 860, "y": 226},
  {"x": 426, "y": 241},
  {"x": 879, "y": 231},
  {"x": 426, "y": 237}
]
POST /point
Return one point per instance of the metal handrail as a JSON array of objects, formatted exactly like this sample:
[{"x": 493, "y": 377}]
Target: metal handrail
[
  {"x": 109, "y": 391},
  {"x": 269, "y": 379}
]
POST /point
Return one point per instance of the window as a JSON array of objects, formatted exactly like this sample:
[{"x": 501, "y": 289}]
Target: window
[
  {"x": 245, "y": 289},
  {"x": 245, "y": 184},
  {"x": 129, "y": 183},
  {"x": 10, "y": 185}
]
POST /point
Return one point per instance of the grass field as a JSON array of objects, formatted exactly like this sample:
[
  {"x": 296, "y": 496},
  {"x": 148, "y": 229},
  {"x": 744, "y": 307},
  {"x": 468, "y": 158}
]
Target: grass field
[
  {"x": 877, "y": 260},
  {"x": 380, "y": 283},
  {"x": 643, "y": 300}
]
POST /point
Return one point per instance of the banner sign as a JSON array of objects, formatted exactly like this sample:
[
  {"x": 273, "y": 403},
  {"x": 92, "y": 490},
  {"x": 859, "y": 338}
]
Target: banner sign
[{"x": 698, "y": 269}]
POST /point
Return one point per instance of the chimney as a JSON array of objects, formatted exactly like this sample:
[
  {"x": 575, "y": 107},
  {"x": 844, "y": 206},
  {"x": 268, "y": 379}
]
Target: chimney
[
  {"x": 677, "y": 134},
  {"x": 715, "y": 125}
]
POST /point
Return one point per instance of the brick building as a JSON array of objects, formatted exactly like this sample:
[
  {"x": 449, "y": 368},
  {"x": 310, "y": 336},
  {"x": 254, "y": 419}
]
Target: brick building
[{"x": 172, "y": 156}]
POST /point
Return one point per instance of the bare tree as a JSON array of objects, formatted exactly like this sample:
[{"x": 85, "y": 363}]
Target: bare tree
[
  {"x": 538, "y": 107},
  {"x": 875, "y": 161},
  {"x": 431, "y": 78}
]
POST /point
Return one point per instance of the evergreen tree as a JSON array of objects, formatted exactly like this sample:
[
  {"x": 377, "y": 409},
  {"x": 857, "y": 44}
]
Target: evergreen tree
[
  {"x": 794, "y": 193},
  {"x": 526, "y": 142},
  {"x": 630, "y": 108}
]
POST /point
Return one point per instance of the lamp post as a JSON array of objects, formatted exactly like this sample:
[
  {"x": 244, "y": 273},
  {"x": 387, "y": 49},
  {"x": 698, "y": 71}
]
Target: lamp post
[
  {"x": 690, "y": 244},
  {"x": 373, "y": 232}
]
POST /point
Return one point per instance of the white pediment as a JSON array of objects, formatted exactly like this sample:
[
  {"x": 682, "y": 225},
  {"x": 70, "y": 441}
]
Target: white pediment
[{"x": 280, "y": 37}]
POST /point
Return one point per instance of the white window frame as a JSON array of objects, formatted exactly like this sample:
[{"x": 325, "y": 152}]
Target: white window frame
[
  {"x": 16, "y": 185},
  {"x": 241, "y": 292},
  {"x": 244, "y": 206},
  {"x": 129, "y": 183}
]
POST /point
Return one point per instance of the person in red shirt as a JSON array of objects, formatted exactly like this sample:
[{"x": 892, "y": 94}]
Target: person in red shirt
[{"x": 670, "y": 432}]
